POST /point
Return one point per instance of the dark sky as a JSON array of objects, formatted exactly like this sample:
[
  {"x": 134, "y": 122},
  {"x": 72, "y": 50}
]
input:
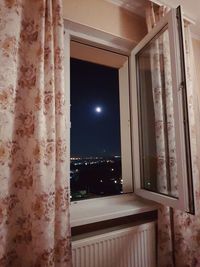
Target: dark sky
[{"x": 93, "y": 133}]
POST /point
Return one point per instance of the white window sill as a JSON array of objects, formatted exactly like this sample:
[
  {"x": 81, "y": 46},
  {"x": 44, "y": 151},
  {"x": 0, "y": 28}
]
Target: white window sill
[{"x": 107, "y": 208}]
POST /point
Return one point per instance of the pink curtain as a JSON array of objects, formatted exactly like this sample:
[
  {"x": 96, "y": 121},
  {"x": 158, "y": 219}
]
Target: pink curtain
[
  {"x": 179, "y": 232},
  {"x": 34, "y": 167}
]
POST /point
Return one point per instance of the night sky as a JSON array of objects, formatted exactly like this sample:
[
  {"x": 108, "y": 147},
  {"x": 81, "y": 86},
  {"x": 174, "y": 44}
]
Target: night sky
[{"x": 95, "y": 117}]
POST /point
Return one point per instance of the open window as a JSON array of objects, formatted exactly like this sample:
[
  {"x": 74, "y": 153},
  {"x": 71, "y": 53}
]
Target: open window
[
  {"x": 160, "y": 128},
  {"x": 154, "y": 123}
]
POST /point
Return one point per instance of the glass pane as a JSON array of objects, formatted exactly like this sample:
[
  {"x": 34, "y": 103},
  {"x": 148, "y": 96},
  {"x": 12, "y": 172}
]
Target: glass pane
[
  {"x": 95, "y": 131},
  {"x": 157, "y": 134}
]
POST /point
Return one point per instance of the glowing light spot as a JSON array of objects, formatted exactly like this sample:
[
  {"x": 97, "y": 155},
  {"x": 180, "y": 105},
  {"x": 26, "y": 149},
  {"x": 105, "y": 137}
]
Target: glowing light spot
[{"x": 98, "y": 109}]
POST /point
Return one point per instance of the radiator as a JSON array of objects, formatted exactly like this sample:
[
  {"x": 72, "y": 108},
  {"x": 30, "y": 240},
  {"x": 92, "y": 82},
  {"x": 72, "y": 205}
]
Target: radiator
[{"x": 127, "y": 247}]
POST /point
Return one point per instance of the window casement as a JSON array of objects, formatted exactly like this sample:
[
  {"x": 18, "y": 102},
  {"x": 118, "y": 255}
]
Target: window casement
[{"x": 161, "y": 140}]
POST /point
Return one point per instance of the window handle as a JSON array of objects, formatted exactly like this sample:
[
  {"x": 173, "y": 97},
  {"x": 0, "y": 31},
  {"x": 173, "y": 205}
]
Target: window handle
[{"x": 181, "y": 86}]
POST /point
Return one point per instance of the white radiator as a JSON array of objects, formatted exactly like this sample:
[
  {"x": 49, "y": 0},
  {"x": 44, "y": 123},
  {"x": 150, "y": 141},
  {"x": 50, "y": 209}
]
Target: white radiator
[{"x": 127, "y": 247}]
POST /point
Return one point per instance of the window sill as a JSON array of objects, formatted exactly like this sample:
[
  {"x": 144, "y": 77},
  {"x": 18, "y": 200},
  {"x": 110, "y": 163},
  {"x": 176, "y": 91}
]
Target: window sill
[{"x": 107, "y": 208}]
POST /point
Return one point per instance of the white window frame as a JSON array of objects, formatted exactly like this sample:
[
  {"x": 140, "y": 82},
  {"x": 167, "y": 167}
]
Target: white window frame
[
  {"x": 182, "y": 202},
  {"x": 125, "y": 129}
]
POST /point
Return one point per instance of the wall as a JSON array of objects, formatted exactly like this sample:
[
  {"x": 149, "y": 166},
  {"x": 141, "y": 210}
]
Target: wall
[{"x": 104, "y": 16}]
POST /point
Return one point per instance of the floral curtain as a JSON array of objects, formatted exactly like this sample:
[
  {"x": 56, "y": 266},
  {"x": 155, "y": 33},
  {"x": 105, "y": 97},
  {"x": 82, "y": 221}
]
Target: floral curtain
[
  {"x": 187, "y": 227},
  {"x": 34, "y": 166},
  {"x": 179, "y": 232}
]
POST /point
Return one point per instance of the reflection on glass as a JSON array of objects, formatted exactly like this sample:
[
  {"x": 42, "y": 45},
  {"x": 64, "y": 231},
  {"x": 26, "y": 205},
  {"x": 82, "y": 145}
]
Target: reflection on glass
[{"x": 157, "y": 134}]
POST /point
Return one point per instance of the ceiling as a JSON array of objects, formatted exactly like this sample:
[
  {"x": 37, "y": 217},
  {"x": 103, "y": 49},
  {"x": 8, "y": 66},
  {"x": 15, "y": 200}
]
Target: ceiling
[
  {"x": 135, "y": 6},
  {"x": 191, "y": 9}
]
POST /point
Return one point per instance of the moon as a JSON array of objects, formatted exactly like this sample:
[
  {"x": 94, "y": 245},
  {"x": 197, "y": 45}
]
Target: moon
[{"x": 98, "y": 109}]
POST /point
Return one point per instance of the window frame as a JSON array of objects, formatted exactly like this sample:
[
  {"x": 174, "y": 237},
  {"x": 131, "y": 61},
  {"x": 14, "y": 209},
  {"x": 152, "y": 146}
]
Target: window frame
[{"x": 120, "y": 64}]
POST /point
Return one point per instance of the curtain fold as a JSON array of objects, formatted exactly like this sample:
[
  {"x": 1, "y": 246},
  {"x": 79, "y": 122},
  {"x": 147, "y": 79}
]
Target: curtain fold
[
  {"x": 34, "y": 165},
  {"x": 179, "y": 232}
]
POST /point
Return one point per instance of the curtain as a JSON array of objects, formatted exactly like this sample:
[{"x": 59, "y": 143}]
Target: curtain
[
  {"x": 34, "y": 165},
  {"x": 187, "y": 227},
  {"x": 179, "y": 232}
]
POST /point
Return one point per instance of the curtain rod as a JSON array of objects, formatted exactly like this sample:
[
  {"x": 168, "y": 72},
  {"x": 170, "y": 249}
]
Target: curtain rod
[{"x": 161, "y": 3}]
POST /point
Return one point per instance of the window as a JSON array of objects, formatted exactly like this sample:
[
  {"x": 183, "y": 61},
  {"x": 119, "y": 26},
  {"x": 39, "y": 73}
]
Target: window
[
  {"x": 97, "y": 125},
  {"x": 153, "y": 113}
]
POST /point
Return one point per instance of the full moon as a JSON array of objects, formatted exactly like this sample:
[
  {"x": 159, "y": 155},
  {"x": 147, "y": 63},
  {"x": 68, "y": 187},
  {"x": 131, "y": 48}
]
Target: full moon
[{"x": 98, "y": 109}]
